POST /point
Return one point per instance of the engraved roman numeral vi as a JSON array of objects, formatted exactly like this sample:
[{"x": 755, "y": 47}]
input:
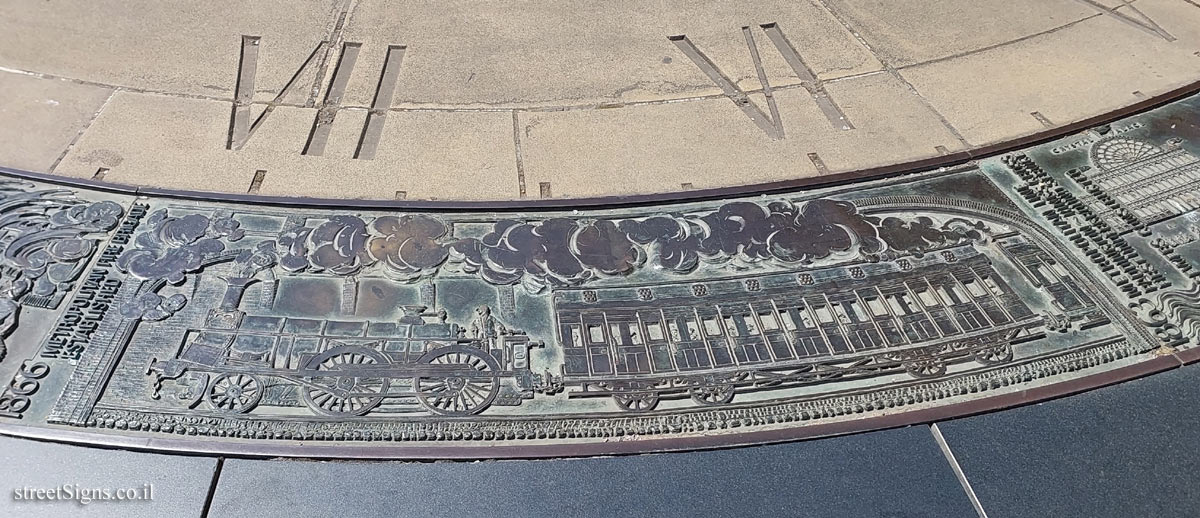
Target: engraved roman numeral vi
[{"x": 771, "y": 124}]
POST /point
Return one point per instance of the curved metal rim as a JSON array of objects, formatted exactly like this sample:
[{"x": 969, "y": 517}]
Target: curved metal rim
[
  {"x": 633, "y": 200},
  {"x": 247, "y": 449},
  {"x": 483, "y": 450}
]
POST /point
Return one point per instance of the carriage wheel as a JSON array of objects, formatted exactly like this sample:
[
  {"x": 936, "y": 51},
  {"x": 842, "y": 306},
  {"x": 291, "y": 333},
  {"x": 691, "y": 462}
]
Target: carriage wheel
[
  {"x": 353, "y": 393},
  {"x": 467, "y": 390},
  {"x": 234, "y": 393},
  {"x": 994, "y": 355},
  {"x": 926, "y": 367},
  {"x": 636, "y": 401},
  {"x": 712, "y": 394}
]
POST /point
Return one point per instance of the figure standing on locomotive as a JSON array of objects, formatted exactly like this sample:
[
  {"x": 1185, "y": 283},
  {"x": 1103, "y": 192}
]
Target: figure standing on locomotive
[{"x": 484, "y": 326}]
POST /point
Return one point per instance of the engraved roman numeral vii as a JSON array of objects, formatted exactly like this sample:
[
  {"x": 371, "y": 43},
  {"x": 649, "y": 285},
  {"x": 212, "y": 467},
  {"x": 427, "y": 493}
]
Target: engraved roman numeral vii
[{"x": 241, "y": 128}]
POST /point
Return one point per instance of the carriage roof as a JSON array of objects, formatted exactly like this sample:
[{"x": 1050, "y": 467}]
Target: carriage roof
[
  {"x": 730, "y": 288},
  {"x": 279, "y": 325}
]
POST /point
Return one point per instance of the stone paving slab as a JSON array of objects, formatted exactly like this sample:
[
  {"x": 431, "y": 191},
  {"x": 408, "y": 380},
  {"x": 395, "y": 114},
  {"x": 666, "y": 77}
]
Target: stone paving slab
[
  {"x": 42, "y": 118},
  {"x": 720, "y": 151},
  {"x": 908, "y": 32},
  {"x": 598, "y": 74},
  {"x": 148, "y": 45},
  {"x": 885, "y": 474},
  {"x": 1126, "y": 450},
  {"x": 172, "y": 139},
  {"x": 1003, "y": 78},
  {"x": 179, "y": 485},
  {"x": 590, "y": 51}
]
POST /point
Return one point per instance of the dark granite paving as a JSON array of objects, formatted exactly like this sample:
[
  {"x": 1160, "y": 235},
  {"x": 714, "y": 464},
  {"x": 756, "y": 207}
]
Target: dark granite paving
[
  {"x": 895, "y": 473},
  {"x": 180, "y": 484},
  {"x": 1123, "y": 451}
]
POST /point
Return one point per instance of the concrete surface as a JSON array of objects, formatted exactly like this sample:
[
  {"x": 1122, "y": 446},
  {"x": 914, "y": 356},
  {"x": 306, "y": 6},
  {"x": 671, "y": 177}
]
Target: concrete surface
[{"x": 592, "y": 99}]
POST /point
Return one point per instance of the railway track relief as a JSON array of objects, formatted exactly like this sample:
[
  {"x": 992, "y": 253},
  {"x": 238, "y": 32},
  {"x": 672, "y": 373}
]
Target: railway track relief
[{"x": 262, "y": 329}]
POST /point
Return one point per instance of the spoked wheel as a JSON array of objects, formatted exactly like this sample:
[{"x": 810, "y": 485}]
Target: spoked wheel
[
  {"x": 350, "y": 383},
  {"x": 994, "y": 355},
  {"x": 718, "y": 394},
  {"x": 462, "y": 382},
  {"x": 234, "y": 393},
  {"x": 636, "y": 401},
  {"x": 926, "y": 367}
]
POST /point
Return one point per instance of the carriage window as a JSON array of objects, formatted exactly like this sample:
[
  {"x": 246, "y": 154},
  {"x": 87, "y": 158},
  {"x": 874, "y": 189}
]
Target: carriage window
[
  {"x": 993, "y": 286},
  {"x": 654, "y": 330},
  {"x": 751, "y": 327},
  {"x": 855, "y": 309},
  {"x": 768, "y": 321},
  {"x": 673, "y": 328},
  {"x": 840, "y": 310},
  {"x": 595, "y": 334},
  {"x": 1047, "y": 274},
  {"x": 944, "y": 294},
  {"x": 572, "y": 336},
  {"x": 693, "y": 330},
  {"x": 615, "y": 332},
  {"x": 805, "y": 318},
  {"x": 788, "y": 323},
  {"x": 635, "y": 337},
  {"x": 927, "y": 298},
  {"x": 959, "y": 293},
  {"x": 974, "y": 288},
  {"x": 901, "y": 303},
  {"x": 877, "y": 306},
  {"x": 823, "y": 314},
  {"x": 711, "y": 326},
  {"x": 731, "y": 327}
]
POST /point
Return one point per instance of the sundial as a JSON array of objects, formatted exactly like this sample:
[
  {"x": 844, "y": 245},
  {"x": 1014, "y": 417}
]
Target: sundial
[
  {"x": 246, "y": 326},
  {"x": 510, "y": 230}
]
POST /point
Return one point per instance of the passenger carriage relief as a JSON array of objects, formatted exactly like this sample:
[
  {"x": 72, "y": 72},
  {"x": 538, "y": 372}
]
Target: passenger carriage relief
[{"x": 837, "y": 323}]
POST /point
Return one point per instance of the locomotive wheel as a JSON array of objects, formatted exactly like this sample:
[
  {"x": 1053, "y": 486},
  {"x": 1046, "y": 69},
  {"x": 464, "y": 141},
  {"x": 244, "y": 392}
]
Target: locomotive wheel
[
  {"x": 994, "y": 355},
  {"x": 468, "y": 390},
  {"x": 712, "y": 394},
  {"x": 636, "y": 401},
  {"x": 234, "y": 393},
  {"x": 349, "y": 394},
  {"x": 926, "y": 367}
]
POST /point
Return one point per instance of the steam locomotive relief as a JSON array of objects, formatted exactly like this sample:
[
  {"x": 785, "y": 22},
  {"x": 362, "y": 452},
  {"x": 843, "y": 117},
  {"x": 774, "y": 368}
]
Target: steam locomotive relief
[{"x": 708, "y": 340}]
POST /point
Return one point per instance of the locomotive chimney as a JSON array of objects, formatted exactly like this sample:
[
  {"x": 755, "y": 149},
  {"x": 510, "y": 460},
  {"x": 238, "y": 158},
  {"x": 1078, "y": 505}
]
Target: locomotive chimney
[{"x": 429, "y": 295}]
